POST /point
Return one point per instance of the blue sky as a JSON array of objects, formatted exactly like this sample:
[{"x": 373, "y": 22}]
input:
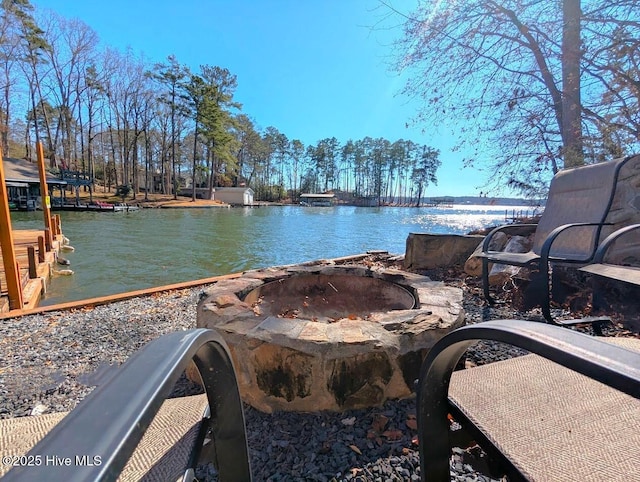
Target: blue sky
[{"x": 310, "y": 68}]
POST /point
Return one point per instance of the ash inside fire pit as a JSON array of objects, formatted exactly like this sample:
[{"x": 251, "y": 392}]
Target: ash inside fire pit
[{"x": 328, "y": 298}]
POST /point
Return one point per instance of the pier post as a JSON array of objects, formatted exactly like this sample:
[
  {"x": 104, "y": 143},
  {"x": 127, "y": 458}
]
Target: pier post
[
  {"x": 12, "y": 274},
  {"x": 31, "y": 254},
  {"x": 44, "y": 189},
  {"x": 47, "y": 239},
  {"x": 41, "y": 249}
]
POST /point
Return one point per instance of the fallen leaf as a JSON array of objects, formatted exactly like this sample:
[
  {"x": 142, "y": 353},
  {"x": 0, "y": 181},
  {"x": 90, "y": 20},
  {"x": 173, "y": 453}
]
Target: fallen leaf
[
  {"x": 355, "y": 449},
  {"x": 393, "y": 434},
  {"x": 412, "y": 423},
  {"x": 415, "y": 440},
  {"x": 379, "y": 422}
]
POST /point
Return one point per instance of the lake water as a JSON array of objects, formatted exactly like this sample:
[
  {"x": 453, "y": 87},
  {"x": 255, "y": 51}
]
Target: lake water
[{"x": 119, "y": 252}]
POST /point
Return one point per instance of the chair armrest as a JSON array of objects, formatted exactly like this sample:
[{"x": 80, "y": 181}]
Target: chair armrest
[
  {"x": 610, "y": 364},
  {"x": 609, "y": 240},
  {"x": 487, "y": 238},
  {"x": 110, "y": 422},
  {"x": 553, "y": 235}
]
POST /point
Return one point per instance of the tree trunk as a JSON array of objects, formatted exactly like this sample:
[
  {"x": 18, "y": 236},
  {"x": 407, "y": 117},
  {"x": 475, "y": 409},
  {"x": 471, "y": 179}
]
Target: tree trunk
[
  {"x": 212, "y": 169},
  {"x": 7, "y": 119},
  {"x": 35, "y": 115},
  {"x": 147, "y": 163},
  {"x": 195, "y": 153},
  {"x": 571, "y": 108},
  {"x": 134, "y": 167},
  {"x": 173, "y": 142}
]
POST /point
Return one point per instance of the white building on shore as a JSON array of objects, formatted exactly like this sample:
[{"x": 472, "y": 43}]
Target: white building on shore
[{"x": 236, "y": 196}]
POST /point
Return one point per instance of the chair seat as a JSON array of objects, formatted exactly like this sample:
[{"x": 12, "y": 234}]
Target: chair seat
[
  {"x": 515, "y": 259},
  {"x": 552, "y": 423},
  {"x": 162, "y": 454},
  {"x": 629, "y": 274},
  {"x": 524, "y": 259}
]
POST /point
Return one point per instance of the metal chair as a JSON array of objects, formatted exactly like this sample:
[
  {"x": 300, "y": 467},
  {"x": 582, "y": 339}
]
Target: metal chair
[
  {"x": 568, "y": 411},
  {"x": 571, "y": 227},
  {"x": 125, "y": 427}
]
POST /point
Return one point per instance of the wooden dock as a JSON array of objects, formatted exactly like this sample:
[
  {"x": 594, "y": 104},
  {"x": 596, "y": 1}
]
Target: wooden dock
[
  {"x": 35, "y": 275},
  {"x": 27, "y": 255}
]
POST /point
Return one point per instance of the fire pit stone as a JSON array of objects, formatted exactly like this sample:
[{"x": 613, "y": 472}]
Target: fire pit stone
[{"x": 328, "y": 337}]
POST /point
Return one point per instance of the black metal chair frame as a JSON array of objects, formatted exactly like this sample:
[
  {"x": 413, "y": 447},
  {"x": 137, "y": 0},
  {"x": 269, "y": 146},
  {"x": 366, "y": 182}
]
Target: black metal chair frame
[
  {"x": 111, "y": 421},
  {"x": 600, "y": 268},
  {"x": 545, "y": 258},
  {"x": 609, "y": 364},
  {"x": 543, "y": 262},
  {"x": 608, "y": 242}
]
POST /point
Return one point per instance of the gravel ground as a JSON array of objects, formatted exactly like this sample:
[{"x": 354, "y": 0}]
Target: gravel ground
[{"x": 49, "y": 362}]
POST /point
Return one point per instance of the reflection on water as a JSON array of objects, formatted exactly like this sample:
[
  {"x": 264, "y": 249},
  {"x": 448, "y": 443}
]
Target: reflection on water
[{"x": 118, "y": 252}]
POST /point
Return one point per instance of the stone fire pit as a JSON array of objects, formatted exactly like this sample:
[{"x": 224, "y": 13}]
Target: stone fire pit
[{"x": 329, "y": 337}]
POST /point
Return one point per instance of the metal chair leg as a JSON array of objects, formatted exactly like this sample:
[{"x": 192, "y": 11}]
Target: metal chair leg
[
  {"x": 485, "y": 281},
  {"x": 545, "y": 302}
]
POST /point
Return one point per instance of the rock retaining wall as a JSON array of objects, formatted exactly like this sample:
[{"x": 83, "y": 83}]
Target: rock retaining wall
[{"x": 430, "y": 251}]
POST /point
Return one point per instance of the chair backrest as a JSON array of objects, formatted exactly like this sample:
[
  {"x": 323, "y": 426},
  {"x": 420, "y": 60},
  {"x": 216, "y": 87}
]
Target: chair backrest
[{"x": 578, "y": 195}]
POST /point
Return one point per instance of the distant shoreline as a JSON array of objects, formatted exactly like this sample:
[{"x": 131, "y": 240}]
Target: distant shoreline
[{"x": 168, "y": 202}]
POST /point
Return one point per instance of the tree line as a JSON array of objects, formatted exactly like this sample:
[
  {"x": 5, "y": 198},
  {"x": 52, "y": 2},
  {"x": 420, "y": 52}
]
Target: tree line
[{"x": 143, "y": 127}]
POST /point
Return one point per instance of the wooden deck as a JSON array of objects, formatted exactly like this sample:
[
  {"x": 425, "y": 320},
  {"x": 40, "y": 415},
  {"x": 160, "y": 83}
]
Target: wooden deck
[{"x": 32, "y": 289}]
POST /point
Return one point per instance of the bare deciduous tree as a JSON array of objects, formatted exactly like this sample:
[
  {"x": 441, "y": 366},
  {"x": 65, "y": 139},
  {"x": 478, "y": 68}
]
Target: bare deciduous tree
[{"x": 521, "y": 77}]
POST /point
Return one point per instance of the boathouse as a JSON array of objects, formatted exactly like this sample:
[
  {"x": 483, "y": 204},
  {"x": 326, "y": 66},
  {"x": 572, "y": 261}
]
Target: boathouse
[
  {"x": 237, "y": 196},
  {"x": 307, "y": 199},
  {"x": 445, "y": 202},
  {"x": 23, "y": 183}
]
